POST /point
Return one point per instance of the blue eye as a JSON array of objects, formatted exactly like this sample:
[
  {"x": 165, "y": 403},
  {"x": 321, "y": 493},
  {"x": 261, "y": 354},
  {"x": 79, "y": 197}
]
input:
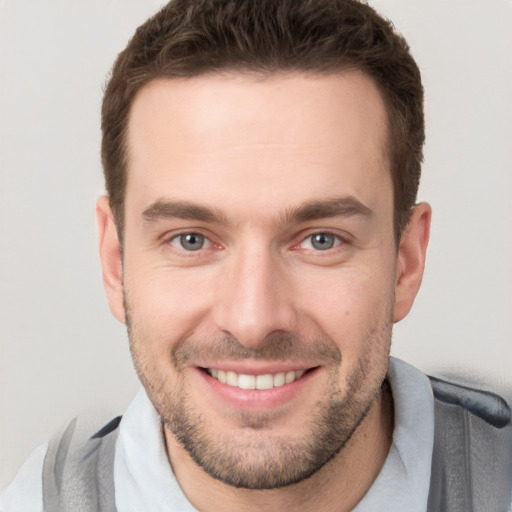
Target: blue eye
[
  {"x": 321, "y": 241},
  {"x": 190, "y": 241}
]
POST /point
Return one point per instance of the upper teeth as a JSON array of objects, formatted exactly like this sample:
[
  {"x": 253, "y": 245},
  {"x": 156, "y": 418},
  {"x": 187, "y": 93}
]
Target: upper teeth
[{"x": 266, "y": 381}]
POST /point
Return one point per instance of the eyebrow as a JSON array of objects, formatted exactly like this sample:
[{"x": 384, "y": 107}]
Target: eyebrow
[
  {"x": 343, "y": 206},
  {"x": 163, "y": 209}
]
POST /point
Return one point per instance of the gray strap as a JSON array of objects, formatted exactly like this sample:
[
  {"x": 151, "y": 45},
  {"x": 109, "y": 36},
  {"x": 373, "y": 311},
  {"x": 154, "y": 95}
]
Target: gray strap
[
  {"x": 492, "y": 408},
  {"x": 78, "y": 475},
  {"x": 472, "y": 458}
]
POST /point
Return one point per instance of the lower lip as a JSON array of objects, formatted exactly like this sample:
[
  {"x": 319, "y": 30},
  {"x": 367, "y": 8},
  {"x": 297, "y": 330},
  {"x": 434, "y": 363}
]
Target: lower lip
[{"x": 251, "y": 399}]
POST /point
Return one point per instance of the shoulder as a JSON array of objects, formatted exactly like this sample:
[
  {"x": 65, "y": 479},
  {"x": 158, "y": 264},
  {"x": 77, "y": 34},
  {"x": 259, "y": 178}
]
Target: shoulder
[
  {"x": 472, "y": 457},
  {"x": 486, "y": 405},
  {"x": 35, "y": 481},
  {"x": 26, "y": 490}
]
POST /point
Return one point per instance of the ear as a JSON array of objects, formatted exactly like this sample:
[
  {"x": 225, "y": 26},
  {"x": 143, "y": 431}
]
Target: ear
[
  {"x": 411, "y": 260},
  {"x": 110, "y": 255}
]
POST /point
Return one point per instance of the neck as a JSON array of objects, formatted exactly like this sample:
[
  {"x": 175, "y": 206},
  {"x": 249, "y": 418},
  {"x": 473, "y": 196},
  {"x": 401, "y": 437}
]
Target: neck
[{"x": 337, "y": 486}]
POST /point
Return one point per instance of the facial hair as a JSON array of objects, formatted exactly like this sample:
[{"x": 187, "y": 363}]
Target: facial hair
[{"x": 257, "y": 458}]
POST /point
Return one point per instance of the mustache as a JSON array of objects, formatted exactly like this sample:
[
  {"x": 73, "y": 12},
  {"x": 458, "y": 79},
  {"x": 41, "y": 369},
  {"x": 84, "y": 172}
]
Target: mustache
[{"x": 279, "y": 346}]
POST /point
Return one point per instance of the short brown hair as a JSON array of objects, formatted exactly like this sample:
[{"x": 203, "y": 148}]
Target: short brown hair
[{"x": 192, "y": 37}]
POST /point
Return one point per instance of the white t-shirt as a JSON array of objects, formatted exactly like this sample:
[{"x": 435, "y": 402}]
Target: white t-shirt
[{"x": 144, "y": 480}]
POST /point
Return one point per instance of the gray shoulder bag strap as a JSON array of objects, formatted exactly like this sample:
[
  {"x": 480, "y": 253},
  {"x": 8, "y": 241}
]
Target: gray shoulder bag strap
[
  {"x": 78, "y": 475},
  {"x": 472, "y": 458}
]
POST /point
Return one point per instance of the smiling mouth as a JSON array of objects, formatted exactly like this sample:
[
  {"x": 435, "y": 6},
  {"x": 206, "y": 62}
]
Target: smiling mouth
[{"x": 261, "y": 382}]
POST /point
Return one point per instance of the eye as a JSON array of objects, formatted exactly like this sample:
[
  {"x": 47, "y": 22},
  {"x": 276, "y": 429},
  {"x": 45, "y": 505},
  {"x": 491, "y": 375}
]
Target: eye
[
  {"x": 190, "y": 241},
  {"x": 321, "y": 241}
]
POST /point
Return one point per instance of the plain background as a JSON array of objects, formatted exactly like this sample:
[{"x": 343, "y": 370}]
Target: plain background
[{"x": 61, "y": 352}]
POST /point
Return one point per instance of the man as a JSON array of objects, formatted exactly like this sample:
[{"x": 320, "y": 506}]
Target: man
[{"x": 259, "y": 239}]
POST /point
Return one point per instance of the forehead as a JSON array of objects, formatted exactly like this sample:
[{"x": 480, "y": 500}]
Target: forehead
[{"x": 244, "y": 139}]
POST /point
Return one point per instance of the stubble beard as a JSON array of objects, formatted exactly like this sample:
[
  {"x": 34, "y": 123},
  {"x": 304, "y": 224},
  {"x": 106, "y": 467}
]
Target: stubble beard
[
  {"x": 258, "y": 459},
  {"x": 266, "y": 461}
]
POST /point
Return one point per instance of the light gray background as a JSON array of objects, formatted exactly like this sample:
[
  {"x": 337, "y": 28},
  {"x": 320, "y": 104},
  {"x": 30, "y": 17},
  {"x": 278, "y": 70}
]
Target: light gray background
[{"x": 62, "y": 354}]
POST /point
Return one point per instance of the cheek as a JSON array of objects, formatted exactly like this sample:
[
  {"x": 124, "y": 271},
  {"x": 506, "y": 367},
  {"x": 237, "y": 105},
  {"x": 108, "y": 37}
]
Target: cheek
[
  {"x": 350, "y": 307},
  {"x": 165, "y": 304}
]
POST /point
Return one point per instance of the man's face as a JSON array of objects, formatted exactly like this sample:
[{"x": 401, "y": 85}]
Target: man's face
[{"x": 259, "y": 252}]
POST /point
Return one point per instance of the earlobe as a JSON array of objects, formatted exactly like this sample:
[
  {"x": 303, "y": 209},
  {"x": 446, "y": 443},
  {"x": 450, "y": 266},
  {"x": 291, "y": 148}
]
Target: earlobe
[
  {"x": 110, "y": 256},
  {"x": 411, "y": 260}
]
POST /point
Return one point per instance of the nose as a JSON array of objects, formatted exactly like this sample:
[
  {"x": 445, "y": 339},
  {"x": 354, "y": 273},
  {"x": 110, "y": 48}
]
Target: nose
[{"x": 256, "y": 297}]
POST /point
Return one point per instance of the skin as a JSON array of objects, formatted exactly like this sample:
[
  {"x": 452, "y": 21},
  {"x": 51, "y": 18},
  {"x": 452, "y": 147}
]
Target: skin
[{"x": 275, "y": 160}]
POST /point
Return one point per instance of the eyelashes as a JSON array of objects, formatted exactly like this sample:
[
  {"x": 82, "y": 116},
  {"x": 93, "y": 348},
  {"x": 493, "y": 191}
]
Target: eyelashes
[{"x": 195, "y": 242}]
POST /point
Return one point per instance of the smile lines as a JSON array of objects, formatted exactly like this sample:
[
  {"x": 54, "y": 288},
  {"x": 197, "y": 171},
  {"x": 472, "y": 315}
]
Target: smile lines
[{"x": 267, "y": 381}]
